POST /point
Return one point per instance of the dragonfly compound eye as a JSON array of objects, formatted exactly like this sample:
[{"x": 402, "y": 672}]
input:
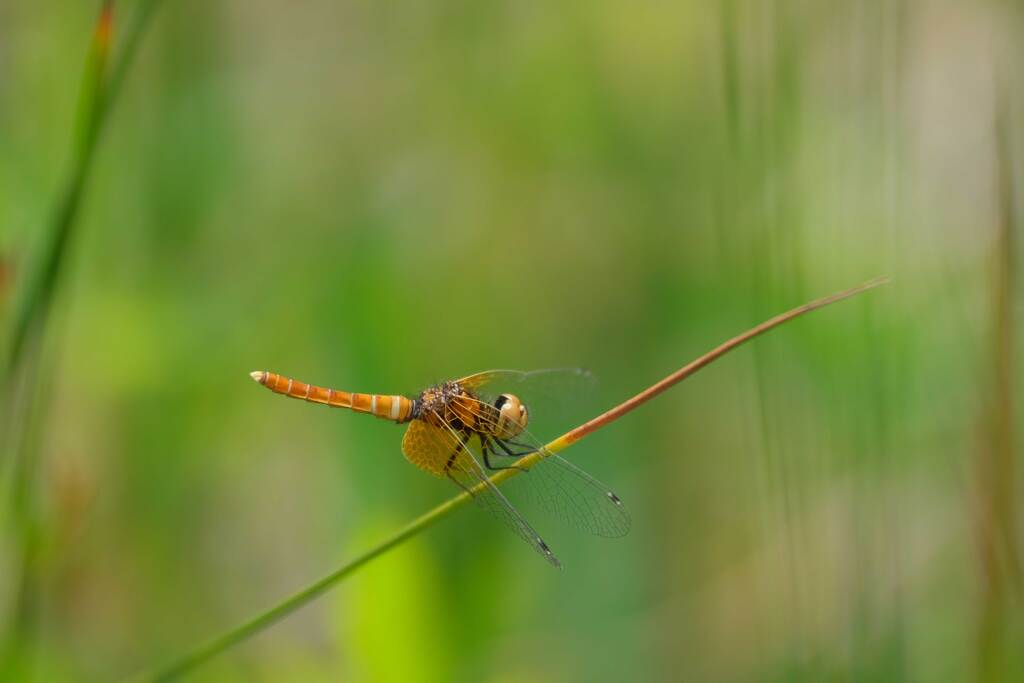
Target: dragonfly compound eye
[{"x": 512, "y": 416}]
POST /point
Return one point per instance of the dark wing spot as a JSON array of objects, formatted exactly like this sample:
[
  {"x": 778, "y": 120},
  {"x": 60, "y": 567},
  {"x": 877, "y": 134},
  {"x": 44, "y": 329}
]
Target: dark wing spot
[
  {"x": 615, "y": 499},
  {"x": 547, "y": 552}
]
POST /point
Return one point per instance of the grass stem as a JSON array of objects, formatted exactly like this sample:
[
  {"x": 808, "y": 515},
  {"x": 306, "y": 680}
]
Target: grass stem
[{"x": 220, "y": 644}]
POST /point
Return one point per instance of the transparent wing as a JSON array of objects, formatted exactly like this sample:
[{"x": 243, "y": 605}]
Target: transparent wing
[
  {"x": 439, "y": 442},
  {"x": 553, "y": 483},
  {"x": 511, "y": 379},
  {"x": 557, "y": 398}
]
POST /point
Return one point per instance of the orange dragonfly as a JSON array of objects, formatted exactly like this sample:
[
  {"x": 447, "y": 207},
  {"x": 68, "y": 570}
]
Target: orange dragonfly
[{"x": 463, "y": 429}]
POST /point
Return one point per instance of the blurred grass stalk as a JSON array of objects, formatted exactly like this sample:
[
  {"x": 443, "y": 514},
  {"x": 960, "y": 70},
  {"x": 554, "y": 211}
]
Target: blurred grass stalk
[
  {"x": 20, "y": 392},
  {"x": 994, "y": 465},
  {"x": 34, "y": 305},
  {"x": 232, "y": 637}
]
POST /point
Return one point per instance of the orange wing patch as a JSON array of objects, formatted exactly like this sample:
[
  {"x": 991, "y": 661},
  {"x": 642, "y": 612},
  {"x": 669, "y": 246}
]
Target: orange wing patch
[{"x": 427, "y": 447}]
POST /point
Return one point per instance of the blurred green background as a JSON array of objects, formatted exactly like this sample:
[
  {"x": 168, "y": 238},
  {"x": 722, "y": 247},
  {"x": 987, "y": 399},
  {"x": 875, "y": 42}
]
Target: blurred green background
[{"x": 376, "y": 196}]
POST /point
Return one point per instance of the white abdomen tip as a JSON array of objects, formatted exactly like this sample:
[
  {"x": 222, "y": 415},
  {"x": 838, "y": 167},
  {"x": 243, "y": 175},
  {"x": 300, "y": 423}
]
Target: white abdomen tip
[{"x": 258, "y": 376}]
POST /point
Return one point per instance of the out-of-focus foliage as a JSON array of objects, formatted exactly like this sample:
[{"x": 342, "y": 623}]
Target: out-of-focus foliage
[{"x": 375, "y": 196}]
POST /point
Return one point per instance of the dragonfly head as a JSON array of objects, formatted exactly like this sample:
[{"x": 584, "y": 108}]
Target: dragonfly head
[{"x": 512, "y": 416}]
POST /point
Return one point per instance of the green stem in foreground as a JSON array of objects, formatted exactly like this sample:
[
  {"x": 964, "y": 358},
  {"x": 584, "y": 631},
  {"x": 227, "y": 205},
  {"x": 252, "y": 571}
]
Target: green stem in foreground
[
  {"x": 101, "y": 83},
  {"x": 20, "y": 361},
  {"x": 35, "y": 304},
  {"x": 236, "y": 635}
]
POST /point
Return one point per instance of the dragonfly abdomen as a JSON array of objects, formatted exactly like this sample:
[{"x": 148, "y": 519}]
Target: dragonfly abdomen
[{"x": 397, "y": 408}]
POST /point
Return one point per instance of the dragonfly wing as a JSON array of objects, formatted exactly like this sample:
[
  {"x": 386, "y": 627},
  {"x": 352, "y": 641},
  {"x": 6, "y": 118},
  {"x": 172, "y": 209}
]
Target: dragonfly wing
[
  {"x": 513, "y": 380},
  {"x": 460, "y": 463},
  {"x": 479, "y": 379},
  {"x": 575, "y": 497},
  {"x": 560, "y": 488},
  {"x": 557, "y": 398}
]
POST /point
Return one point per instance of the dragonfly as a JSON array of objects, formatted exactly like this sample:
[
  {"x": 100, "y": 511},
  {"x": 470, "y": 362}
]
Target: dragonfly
[{"x": 464, "y": 430}]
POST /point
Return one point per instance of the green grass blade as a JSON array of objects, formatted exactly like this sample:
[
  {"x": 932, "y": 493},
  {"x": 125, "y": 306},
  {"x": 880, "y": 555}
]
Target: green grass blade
[
  {"x": 101, "y": 83},
  {"x": 21, "y": 376}
]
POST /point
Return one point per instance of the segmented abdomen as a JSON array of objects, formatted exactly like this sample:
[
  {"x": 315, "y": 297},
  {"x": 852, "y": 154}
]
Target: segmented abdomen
[{"x": 397, "y": 408}]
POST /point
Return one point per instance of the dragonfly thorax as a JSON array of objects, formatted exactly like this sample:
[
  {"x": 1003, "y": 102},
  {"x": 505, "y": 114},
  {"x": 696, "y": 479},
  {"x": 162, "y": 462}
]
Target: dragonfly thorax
[
  {"x": 459, "y": 408},
  {"x": 437, "y": 399}
]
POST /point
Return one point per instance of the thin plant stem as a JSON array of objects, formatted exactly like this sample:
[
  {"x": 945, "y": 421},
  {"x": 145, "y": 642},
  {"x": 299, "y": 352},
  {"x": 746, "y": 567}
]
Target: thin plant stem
[
  {"x": 35, "y": 305},
  {"x": 994, "y": 460},
  {"x": 29, "y": 321},
  {"x": 101, "y": 84},
  {"x": 20, "y": 368},
  {"x": 220, "y": 644}
]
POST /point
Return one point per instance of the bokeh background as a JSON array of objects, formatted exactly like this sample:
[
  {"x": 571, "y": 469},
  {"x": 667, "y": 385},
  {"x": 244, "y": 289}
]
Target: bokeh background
[{"x": 375, "y": 196}]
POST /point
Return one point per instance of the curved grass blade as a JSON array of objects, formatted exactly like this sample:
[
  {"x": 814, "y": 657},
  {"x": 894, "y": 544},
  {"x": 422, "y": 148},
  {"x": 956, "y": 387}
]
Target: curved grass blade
[{"x": 218, "y": 645}]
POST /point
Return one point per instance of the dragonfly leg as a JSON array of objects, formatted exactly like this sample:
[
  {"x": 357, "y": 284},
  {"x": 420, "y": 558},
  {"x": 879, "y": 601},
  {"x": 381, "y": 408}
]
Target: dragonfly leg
[
  {"x": 448, "y": 473},
  {"x": 528, "y": 447},
  {"x": 451, "y": 461},
  {"x": 508, "y": 453}
]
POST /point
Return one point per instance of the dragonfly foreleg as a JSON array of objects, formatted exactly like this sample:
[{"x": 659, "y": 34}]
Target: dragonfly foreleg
[
  {"x": 528, "y": 447},
  {"x": 488, "y": 451}
]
